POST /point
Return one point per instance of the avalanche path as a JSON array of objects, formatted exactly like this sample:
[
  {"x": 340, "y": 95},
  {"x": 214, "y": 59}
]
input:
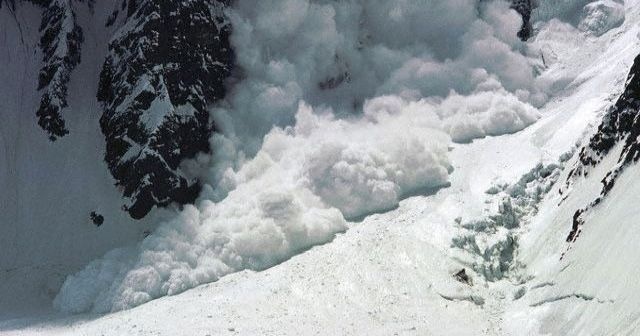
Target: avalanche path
[{"x": 393, "y": 272}]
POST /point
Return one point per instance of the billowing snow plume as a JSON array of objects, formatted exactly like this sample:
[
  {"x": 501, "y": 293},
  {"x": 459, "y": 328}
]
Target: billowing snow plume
[
  {"x": 592, "y": 17},
  {"x": 344, "y": 108},
  {"x": 340, "y": 53}
]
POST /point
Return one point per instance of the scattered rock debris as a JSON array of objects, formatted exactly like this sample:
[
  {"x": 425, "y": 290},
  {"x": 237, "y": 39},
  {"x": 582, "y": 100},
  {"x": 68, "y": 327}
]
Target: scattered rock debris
[
  {"x": 96, "y": 218},
  {"x": 463, "y": 277}
]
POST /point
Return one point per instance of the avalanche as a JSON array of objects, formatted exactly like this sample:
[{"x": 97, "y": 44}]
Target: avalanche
[
  {"x": 377, "y": 133},
  {"x": 361, "y": 165}
]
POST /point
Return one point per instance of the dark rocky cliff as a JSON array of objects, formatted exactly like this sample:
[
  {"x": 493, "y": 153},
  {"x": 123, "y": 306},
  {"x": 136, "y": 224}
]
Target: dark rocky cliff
[{"x": 166, "y": 64}]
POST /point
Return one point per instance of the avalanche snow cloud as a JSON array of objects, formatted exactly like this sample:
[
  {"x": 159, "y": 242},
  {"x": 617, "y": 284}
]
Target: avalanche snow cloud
[{"x": 342, "y": 108}]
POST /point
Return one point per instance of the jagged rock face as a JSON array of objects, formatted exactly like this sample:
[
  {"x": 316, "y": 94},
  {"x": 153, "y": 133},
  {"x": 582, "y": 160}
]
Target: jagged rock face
[
  {"x": 621, "y": 124},
  {"x": 60, "y": 42},
  {"x": 166, "y": 64},
  {"x": 524, "y": 8}
]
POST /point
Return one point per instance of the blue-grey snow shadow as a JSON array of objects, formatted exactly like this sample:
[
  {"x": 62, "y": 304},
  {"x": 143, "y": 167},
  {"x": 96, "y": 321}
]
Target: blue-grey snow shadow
[{"x": 424, "y": 192}]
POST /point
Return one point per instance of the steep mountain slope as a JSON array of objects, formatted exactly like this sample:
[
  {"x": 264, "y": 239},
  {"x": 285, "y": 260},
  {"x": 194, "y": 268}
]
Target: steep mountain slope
[
  {"x": 581, "y": 248},
  {"x": 50, "y": 188},
  {"x": 61, "y": 41},
  {"x": 165, "y": 65},
  {"x": 79, "y": 108},
  {"x": 386, "y": 141},
  {"x": 619, "y": 129},
  {"x": 75, "y": 95},
  {"x": 393, "y": 273}
]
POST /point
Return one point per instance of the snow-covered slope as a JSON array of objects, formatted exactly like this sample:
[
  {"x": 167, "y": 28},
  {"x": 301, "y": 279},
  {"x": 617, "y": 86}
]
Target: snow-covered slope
[
  {"x": 49, "y": 188},
  {"x": 500, "y": 217},
  {"x": 61, "y": 203},
  {"x": 581, "y": 248}
]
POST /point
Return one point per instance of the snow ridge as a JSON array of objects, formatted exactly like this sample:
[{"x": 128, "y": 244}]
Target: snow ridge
[{"x": 620, "y": 126}]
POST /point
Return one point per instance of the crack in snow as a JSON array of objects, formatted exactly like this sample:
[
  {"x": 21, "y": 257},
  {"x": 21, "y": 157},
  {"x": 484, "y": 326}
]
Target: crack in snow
[
  {"x": 475, "y": 299},
  {"x": 543, "y": 284},
  {"x": 582, "y": 296}
]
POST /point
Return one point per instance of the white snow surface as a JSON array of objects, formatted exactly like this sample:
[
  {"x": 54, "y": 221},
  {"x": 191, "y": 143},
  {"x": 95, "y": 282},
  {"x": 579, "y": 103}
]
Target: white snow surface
[{"x": 390, "y": 273}]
